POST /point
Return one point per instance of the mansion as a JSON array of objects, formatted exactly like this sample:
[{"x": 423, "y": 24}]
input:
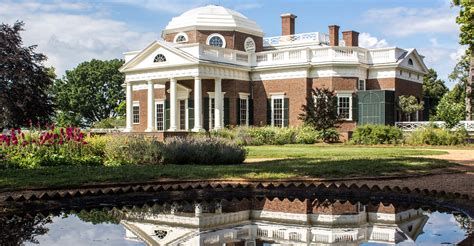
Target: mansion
[{"x": 214, "y": 67}]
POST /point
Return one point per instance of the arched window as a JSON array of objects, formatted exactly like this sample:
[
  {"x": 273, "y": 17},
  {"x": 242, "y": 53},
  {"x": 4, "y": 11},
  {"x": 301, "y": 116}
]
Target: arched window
[
  {"x": 181, "y": 38},
  {"x": 410, "y": 62},
  {"x": 160, "y": 58},
  {"x": 216, "y": 40},
  {"x": 249, "y": 45}
]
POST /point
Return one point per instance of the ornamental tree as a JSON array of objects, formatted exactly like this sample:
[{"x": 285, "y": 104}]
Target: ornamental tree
[
  {"x": 409, "y": 105},
  {"x": 450, "y": 110},
  {"x": 24, "y": 81},
  {"x": 320, "y": 110}
]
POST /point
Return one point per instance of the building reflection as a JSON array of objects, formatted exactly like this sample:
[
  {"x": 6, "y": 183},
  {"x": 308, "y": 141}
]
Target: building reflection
[{"x": 273, "y": 221}]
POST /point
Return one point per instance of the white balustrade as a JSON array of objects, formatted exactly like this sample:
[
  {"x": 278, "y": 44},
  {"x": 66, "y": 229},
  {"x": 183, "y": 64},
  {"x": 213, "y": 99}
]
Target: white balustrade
[
  {"x": 310, "y": 37},
  {"x": 413, "y": 125}
]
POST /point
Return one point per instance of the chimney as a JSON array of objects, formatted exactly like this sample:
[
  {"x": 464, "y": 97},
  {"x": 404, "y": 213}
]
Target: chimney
[
  {"x": 334, "y": 35},
  {"x": 351, "y": 38},
  {"x": 288, "y": 24}
]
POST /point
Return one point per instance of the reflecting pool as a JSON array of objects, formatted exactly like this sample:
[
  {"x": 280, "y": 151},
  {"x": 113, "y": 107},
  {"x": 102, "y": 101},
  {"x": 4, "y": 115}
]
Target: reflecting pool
[{"x": 247, "y": 221}]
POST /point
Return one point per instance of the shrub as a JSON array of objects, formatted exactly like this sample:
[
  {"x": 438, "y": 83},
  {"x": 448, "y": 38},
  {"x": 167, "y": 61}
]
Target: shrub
[
  {"x": 377, "y": 134},
  {"x": 306, "y": 135},
  {"x": 109, "y": 123},
  {"x": 199, "y": 150},
  {"x": 330, "y": 135},
  {"x": 437, "y": 136},
  {"x": 124, "y": 150}
]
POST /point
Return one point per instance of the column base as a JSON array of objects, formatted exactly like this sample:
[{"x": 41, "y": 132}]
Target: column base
[
  {"x": 150, "y": 130},
  {"x": 128, "y": 129},
  {"x": 172, "y": 129},
  {"x": 200, "y": 129}
]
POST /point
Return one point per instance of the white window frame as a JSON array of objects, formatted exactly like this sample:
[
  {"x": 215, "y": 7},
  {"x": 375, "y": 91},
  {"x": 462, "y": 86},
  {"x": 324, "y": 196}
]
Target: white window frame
[
  {"x": 364, "y": 83},
  {"x": 186, "y": 114},
  {"x": 282, "y": 97},
  {"x": 162, "y": 102},
  {"x": 175, "y": 40},
  {"x": 345, "y": 95},
  {"x": 249, "y": 49},
  {"x": 136, "y": 104},
  {"x": 212, "y": 95},
  {"x": 216, "y": 35},
  {"x": 244, "y": 96}
]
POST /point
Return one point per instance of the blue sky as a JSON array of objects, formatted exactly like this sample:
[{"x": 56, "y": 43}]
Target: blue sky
[{"x": 70, "y": 32}]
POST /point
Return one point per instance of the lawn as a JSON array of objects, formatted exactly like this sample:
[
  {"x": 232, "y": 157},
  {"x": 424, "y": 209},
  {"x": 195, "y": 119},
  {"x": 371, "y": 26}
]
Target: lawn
[{"x": 310, "y": 161}]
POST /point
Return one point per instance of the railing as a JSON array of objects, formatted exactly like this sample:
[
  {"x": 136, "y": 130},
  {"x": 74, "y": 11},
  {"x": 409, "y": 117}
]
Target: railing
[
  {"x": 309, "y": 37},
  {"x": 413, "y": 125}
]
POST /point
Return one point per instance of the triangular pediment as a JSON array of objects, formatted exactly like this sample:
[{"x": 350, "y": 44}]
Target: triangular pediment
[
  {"x": 146, "y": 58},
  {"x": 416, "y": 63}
]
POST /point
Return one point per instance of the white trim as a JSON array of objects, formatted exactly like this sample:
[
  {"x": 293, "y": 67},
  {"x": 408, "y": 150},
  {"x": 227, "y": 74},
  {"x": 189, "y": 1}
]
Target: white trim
[
  {"x": 364, "y": 83},
  {"x": 244, "y": 96},
  {"x": 273, "y": 96},
  {"x": 212, "y": 95},
  {"x": 181, "y": 34},
  {"x": 186, "y": 115},
  {"x": 136, "y": 104},
  {"x": 163, "y": 102},
  {"x": 345, "y": 95},
  {"x": 216, "y": 35}
]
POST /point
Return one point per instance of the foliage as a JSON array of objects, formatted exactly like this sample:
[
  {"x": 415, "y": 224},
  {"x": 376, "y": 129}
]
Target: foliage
[
  {"x": 23, "y": 229},
  {"x": 24, "y": 81},
  {"x": 377, "y": 134},
  {"x": 89, "y": 93},
  {"x": 433, "y": 89},
  {"x": 100, "y": 216},
  {"x": 320, "y": 110},
  {"x": 203, "y": 151},
  {"x": 109, "y": 123},
  {"x": 437, "y": 136},
  {"x": 450, "y": 111},
  {"x": 329, "y": 135},
  {"x": 136, "y": 150},
  {"x": 409, "y": 105},
  {"x": 464, "y": 19},
  {"x": 306, "y": 135}
]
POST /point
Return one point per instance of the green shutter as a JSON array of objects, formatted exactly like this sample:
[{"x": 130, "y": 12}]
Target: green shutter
[
  {"x": 205, "y": 113},
  {"x": 250, "y": 111},
  {"x": 286, "y": 112},
  {"x": 191, "y": 113},
  {"x": 167, "y": 115},
  {"x": 355, "y": 108},
  {"x": 237, "y": 107},
  {"x": 269, "y": 112},
  {"x": 226, "y": 111}
]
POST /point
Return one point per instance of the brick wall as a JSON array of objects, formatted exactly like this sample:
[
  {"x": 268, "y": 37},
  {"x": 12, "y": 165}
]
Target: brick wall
[
  {"x": 336, "y": 83},
  {"x": 141, "y": 96}
]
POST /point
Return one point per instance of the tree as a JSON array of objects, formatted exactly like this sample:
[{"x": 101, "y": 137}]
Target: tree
[
  {"x": 460, "y": 75},
  {"x": 450, "y": 110},
  {"x": 320, "y": 110},
  {"x": 89, "y": 93},
  {"x": 409, "y": 105},
  {"x": 433, "y": 90},
  {"x": 24, "y": 82},
  {"x": 466, "y": 37}
]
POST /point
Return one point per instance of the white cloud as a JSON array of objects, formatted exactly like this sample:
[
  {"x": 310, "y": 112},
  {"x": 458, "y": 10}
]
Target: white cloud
[
  {"x": 456, "y": 55},
  {"x": 368, "y": 41},
  {"x": 402, "y": 21},
  {"x": 69, "y": 35}
]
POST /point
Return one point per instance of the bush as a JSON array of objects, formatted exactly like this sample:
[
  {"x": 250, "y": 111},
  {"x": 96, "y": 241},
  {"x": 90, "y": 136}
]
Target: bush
[
  {"x": 109, "y": 123},
  {"x": 123, "y": 150},
  {"x": 330, "y": 135},
  {"x": 306, "y": 135},
  {"x": 377, "y": 134},
  {"x": 199, "y": 150},
  {"x": 437, "y": 136}
]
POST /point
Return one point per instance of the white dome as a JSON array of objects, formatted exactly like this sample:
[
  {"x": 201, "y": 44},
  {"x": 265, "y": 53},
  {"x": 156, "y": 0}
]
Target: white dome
[{"x": 213, "y": 17}]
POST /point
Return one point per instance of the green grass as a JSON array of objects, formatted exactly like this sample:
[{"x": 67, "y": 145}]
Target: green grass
[{"x": 325, "y": 161}]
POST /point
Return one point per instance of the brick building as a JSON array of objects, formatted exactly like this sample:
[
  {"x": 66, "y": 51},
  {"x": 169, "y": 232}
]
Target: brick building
[{"x": 214, "y": 67}]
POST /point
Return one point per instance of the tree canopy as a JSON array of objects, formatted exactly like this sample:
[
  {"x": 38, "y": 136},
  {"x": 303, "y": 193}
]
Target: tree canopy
[
  {"x": 89, "y": 93},
  {"x": 24, "y": 81},
  {"x": 320, "y": 110},
  {"x": 409, "y": 105},
  {"x": 433, "y": 90},
  {"x": 466, "y": 23}
]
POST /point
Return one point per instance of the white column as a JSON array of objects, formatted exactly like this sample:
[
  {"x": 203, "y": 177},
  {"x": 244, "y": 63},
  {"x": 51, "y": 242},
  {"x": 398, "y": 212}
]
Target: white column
[
  {"x": 197, "y": 105},
  {"x": 173, "y": 95},
  {"x": 129, "y": 108},
  {"x": 218, "y": 109},
  {"x": 150, "y": 108}
]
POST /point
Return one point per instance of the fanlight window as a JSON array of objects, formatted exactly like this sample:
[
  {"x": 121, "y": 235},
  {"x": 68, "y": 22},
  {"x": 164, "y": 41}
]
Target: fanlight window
[
  {"x": 180, "y": 39},
  {"x": 249, "y": 45},
  {"x": 160, "y": 58},
  {"x": 216, "y": 40},
  {"x": 410, "y": 62},
  {"x": 161, "y": 233}
]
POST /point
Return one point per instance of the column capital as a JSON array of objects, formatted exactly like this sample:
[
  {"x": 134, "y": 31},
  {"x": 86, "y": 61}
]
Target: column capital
[
  {"x": 197, "y": 77},
  {"x": 173, "y": 79},
  {"x": 149, "y": 81}
]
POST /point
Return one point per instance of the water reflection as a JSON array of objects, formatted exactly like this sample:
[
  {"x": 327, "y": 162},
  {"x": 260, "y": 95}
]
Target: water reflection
[{"x": 248, "y": 222}]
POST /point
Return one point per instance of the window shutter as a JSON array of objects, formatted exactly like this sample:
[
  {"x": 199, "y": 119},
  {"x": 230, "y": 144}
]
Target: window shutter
[
  {"x": 286, "y": 112},
  {"x": 205, "y": 113},
  {"x": 237, "y": 103},
  {"x": 191, "y": 113},
  {"x": 226, "y": 111},
  {"x": 167, "y": 115},
  {"x": 355, "y": 108},
  {"x": 269, "y": 112},
  {"x": 250, "y": 112}
]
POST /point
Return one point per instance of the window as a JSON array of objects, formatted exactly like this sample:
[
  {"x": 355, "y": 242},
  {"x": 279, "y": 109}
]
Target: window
[
  {"x": 409, "y": 75},
  {"x": 160, "y": 58},
  {"x": 344, "y": 107},
  {"x": 216, "y": 40},
  {"x": 243, "y": 111},
  {"x": 410, "y": 62},
  {"x": 401, "y": 72},
  {"x": 181, "y": 37},
  {"x": 212, "y": 106},
  {"x": 182, "y": 114},
  {"x": 361, "y": 85},
  {"x": 136, "y": 113},
  {"x": 160, "y": 116},
  {"x": 249, "y": 45},
  {"x": 277, "y": 111}
]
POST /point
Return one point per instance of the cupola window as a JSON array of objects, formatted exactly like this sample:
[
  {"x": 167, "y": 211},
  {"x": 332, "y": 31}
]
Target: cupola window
[
  {"x": 249, "y": 45},
  {"x": 160, "y": 58},
  {"x": 216, "y": 40},
  {"x": 181, "y": 38}
]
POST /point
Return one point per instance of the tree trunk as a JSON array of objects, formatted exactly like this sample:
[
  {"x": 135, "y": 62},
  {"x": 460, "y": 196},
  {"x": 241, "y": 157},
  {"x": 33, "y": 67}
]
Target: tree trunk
[{"x": 469, "y": 89}]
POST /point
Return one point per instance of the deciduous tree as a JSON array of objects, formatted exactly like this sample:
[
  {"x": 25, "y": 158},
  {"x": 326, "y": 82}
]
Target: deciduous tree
[
  {"x": 320, "y": 110},
  {"x": 409, "y": 105},
  {"x": 433, "y": 90}
]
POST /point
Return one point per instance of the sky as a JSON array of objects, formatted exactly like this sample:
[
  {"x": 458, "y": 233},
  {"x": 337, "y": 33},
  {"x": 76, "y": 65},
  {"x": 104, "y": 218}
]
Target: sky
[{"x": 70, "y": 32}]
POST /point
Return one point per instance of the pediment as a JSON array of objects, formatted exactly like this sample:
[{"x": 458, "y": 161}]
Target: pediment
[
  {"x": 417, "y": 61},
  {"x": 146, "y": 58}
]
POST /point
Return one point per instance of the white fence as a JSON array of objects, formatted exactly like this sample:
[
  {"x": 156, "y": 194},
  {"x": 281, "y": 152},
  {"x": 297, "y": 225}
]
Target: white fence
[{"x": 413, "y": 125}]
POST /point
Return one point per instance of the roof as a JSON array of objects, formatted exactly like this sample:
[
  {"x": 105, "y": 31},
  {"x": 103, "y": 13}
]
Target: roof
[{"x": 213, "y": 17}]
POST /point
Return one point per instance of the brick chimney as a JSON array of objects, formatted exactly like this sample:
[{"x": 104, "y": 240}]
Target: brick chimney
[
  {"x": 334, "y": 35},
  {"x": 288, "y": 24},
  {"x": 351, "y": 38}
]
